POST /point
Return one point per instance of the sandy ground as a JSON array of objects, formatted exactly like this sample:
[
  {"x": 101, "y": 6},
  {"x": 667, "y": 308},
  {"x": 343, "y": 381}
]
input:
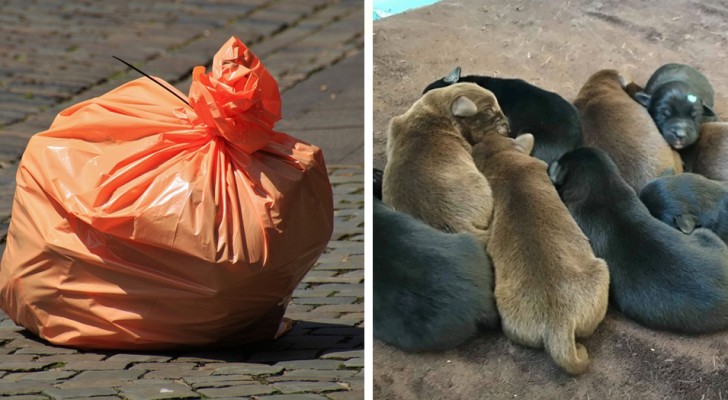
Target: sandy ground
[{"x": 556, "y": 45}]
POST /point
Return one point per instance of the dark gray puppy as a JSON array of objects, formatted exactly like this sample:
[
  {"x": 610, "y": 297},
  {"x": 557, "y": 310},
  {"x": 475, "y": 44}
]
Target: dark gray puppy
[
  {"x": 432, "y": 290},
  {"x": 553, "y": 121},
  {"x": 688, "y": 201},
  {"x": 659, "y": 277},
  {"x": 377, "y": 185},
  {"x": 679, "y": 99}
]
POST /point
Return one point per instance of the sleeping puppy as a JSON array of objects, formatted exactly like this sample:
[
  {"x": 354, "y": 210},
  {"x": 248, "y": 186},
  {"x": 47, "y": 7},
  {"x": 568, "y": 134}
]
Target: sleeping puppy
[
  {"x": 709, "y": 156},
  {"x": 688, "y": 201},
  {"x": 613, "y": 122},
  {"x": 550, "y": 288},
  {"x": 430, "y": 173},
  {"x": 660, "y": 277},
  {"x": 679, "y": 99},
  {"x": 377, "y": 185},
  {"x": 553, "y": 121},
  {"x": 432, "y": 290}
]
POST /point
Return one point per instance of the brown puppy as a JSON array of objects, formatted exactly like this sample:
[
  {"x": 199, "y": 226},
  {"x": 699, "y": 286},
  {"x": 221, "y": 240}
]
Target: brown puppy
[
  {"x": 615, "y": 123},
  {"x": 709, "y": 156},
  {"x": 549, "y": 286},
  {"x": 430, "y": 172}
]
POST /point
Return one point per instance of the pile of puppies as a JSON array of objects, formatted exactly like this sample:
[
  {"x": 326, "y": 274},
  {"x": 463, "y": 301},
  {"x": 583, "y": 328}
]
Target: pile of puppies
[{"x": 624, "y": 201}]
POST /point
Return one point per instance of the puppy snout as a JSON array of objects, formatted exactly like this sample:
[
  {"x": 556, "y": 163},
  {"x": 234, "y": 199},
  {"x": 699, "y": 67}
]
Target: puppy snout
[{"x": 679, "y": 133}]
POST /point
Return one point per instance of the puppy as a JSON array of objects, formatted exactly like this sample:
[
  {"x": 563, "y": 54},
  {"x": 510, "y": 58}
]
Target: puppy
[
  {"x": 377, "y": 184},
  {"x": 432, "y": 290},
  {"x": 553, "y": 121},
  {"x": 709, "y": 156},
  {"x": 430, "y": 172},
  {"x": 688, "y": 201},
  {"x": 679, "y": 99},
  {"x": 550, "y": 288},
  {"x": 660, "y": 277},
  {"x": 613, "y": 122}
]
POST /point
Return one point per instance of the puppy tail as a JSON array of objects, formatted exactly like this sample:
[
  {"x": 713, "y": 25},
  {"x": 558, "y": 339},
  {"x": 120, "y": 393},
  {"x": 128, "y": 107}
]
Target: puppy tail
[{"x": 561, "y": 344}]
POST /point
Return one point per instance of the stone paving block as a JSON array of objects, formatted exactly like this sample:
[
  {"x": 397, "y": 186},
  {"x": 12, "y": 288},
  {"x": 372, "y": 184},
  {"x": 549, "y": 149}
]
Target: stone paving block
[
  {"x": 138, "y": 358},
  {"x": 237, "y": 391},
  {"x": 208, "y": 357},
  {"x": 326, "y": 300},
  {"x": 44, "y": 350},
  {"x": 95, "y": 379},
  {"x": 150, "y": 366},
  {"x": 244, "y": 369},
  {"x": 25, "y": 397},
  {"x": 317, "y": 387},
  {"x": 355, "y": 363},
  {"x": 199, "y": 382},
  {"x": 172, "y": 373},
  {"x": 168, "y": 390},
  {"x": 79, "y": 393},
  {"x": 313, "y": 375},
  {"x": 17, "y": 358},
  {"x": 342, "y": 308},
  {"x": 48, "y": 376},
  {"x": 95, "y": 365},
  {"x": 310, "y": 364},
  {"x": 24, "y": 366},
  {"x": 18, "y": 388},
  {"x": 67, "y": 359}
]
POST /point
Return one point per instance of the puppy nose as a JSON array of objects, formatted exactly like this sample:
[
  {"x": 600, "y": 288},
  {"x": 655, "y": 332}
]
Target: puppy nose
[{"x": 679, "y": 133}]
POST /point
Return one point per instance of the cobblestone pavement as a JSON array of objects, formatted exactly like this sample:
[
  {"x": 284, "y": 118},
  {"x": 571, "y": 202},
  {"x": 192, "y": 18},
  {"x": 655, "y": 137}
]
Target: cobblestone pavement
[{"x": 55, "y": 53}]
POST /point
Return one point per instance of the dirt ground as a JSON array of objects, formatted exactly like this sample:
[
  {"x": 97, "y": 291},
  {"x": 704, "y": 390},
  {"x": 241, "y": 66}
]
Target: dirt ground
[{"x": 556, "y": 45}]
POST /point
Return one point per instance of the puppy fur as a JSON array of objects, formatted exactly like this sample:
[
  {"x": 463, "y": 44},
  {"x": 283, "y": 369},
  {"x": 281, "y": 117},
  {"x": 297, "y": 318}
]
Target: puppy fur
[
  {"x": 613, "y": 122},
  {"x": 550, "y": 288},
  {"x": 679, "y": 98},
  {"x": 432, "y": 290},
  {"x": 709, "y": 156},
  {"x": 688, "y": 201},
  {"x": 660, "y": 277},
  {"x": 430, "y": 172},
  {"x": 377, "y": 184},
  {"x": 553, "y": 121}
]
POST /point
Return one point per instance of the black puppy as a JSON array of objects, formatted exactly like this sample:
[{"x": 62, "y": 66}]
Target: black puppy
[
  {"x": 432, "y": 290},
  {"x": 553, "y": 121},
  {"x": 688, "y": 201},
  {"x": 377, "y": 186},
  {"x": 679, "y": 99},
  {"x": 659, "y": 276}
]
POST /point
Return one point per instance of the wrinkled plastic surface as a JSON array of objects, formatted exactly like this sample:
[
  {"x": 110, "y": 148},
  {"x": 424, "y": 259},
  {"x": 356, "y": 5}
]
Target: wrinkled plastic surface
[{"x": 142, "y": 223}]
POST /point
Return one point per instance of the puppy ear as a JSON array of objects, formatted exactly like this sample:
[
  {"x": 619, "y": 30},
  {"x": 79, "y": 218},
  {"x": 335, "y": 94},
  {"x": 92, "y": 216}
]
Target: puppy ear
[
  {"x": 643, "y": 98},
  {"x": 524, "y": 143},
  {"x": 453, "y": 76},
  {"x": 707, "y": 111},
  {"x": 463, "y": 107},
  {"x": 686, "y": 223},
  {"x": 556, "y": 173}
]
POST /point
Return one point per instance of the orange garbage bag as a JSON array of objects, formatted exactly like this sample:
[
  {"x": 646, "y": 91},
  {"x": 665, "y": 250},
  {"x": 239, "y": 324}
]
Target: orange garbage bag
[{"x": 142, "y": 223}]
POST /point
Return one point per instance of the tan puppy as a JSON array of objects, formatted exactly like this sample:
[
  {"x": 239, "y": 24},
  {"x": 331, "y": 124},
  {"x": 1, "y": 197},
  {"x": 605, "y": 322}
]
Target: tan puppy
[
  {"x": 549, "y": 286},
  {"x": 430, "y": 173},
  {"x": 709, "y": 156},
  {"x": 615, "y": 123}
]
